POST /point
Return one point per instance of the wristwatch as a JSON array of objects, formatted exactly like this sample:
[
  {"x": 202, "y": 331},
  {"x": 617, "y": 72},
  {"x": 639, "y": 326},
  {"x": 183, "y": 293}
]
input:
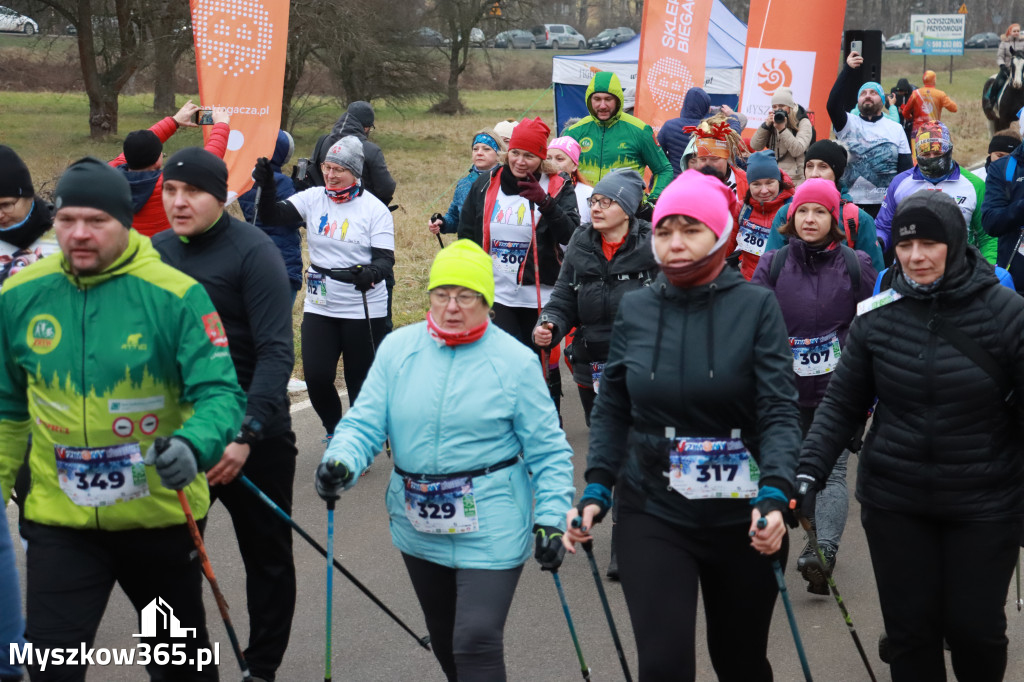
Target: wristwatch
[{"x": 251, "y": 431}]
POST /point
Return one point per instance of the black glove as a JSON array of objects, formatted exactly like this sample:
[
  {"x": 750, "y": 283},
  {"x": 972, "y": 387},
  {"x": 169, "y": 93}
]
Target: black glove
[
  {"x": 645, "y": 211},
  {"x": 531, "y": 190},
  {"x": 363, "y": 277},
  {"x": 549, "y": 548},
  {"x": 175, "y": 462},
  {"x": 263, "y": 174},
  {"x": 331, "y": 477},
  {"x": 807, "y": 487}
]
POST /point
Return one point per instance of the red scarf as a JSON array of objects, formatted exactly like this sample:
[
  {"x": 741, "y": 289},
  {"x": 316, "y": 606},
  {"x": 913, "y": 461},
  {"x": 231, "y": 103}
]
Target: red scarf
[
  {"x": 455, "y": 338},
  {"x": 697, "y": 273}
]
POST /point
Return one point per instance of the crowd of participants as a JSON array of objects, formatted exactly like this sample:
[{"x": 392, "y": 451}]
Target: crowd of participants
[{"x": 737, "y": 327}]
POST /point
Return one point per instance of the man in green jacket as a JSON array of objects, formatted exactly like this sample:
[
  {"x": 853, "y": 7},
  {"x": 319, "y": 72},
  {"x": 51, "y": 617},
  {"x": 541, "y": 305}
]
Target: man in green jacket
[
  {"x": 610, "y": 138},
  {"x": 103, "y": 349}
]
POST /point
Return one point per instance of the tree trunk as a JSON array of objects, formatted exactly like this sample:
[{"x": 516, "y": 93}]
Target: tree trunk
[
  {"x": 102, "y": 113},
  {"x": 164, "y": 64}
]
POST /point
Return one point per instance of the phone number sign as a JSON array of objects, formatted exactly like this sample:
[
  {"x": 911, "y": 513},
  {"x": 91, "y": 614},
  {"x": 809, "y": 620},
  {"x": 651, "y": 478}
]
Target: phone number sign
[{"x": 938, "y": 34}]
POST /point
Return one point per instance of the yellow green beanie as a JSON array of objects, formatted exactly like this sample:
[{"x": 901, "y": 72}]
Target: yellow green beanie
[{"x": 464, "y": 264}]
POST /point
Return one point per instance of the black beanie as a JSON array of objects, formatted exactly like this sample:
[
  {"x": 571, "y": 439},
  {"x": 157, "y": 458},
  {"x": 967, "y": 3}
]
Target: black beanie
[
  {"x": 1003, "y": 143},
  {"x": 91, "y": 183},
  {"x": 918, "y": 222},
  {"x": 199, "y": 168},
  {"x": 15, "y": 180},
  {"x": 142, "y": 148},
  {"x": 832, "y": 153}
]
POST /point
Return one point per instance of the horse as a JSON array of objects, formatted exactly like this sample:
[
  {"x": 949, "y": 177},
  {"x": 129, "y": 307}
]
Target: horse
[{"x": 1011, "y": 97}]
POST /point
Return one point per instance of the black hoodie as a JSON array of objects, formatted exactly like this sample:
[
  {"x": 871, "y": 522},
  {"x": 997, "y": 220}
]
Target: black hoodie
[
  {"x": 705, "y": 361},
  {"x": 943, "y": 443}
]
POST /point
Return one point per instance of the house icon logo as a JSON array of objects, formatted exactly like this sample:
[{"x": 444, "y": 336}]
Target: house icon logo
[{"x": 159, "y": 616}]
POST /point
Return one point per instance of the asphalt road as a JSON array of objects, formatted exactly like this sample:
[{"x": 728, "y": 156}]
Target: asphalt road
[{"x": 369, "y": 647}]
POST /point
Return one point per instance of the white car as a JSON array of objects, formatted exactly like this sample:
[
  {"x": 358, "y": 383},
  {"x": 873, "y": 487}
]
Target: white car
[
  {"x": 900, "y": 41},
  {"x": 13, "y": 22}
]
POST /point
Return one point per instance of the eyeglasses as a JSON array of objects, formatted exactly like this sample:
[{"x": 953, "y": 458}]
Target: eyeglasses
[
  {"x": 603, "y": 202},
  {"x": 332, "y": 170},
  {"x": 464, "y": 299},
  {"x": 8, "y": 207}
]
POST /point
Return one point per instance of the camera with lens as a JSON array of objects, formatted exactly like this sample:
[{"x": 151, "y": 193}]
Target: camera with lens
[{"x": 780, "y": 116}]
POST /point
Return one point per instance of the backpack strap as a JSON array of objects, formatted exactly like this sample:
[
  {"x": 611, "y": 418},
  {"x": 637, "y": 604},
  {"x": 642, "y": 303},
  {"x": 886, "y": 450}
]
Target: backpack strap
[
  {"x": 852, "y": 266},
  {"x": 851, "y": 222},
  {"x": 777, "y": 264}
]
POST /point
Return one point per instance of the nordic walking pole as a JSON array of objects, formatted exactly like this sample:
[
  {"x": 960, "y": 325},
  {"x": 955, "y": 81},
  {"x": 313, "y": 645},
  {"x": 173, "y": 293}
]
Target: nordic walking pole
[
  {"x": 572, "y": 629},
  {"x": 438, "y": 216},
  {"x": 373, "y": 349},
  {"x": 781, "y": 580},
  {"x": 536, "y": 279},
  {"x": 256, "y": 205},
  {"x": 812, "y": 537},
  {"x": 588, "y": 547},
  {"x": 1020, "y": 602},
  {"x": 330, "y": 588},
  {"x": 422, "y": 641}
]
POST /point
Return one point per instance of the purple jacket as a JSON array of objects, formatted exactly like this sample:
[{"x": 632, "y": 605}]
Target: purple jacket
[{"x": 816, "y": 295}]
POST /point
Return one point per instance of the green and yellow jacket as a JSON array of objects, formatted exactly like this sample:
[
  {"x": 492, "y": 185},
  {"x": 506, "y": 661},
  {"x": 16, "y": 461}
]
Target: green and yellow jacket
[
  {"x": 623, "y": 141},
  {"x": 126, "y": 356}
]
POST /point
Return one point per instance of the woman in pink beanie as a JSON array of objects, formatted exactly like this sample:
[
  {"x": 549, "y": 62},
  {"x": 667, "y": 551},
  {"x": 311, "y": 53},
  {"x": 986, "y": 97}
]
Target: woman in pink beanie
[
  {"x": 696, "y": 426},
  {"x": 564, "y": 153},
  {"x": 818, "y": 281}
]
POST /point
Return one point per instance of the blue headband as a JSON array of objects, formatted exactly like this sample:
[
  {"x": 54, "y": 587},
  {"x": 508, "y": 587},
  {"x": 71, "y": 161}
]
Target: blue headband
[
  {"x": 872, "y": 85},
  {"x": 487, "y": 140}
]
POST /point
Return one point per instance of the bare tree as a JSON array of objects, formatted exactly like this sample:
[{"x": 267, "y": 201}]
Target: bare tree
[
  {"x": 459, "y": 18},
  {"x": 169, "y": 28}
]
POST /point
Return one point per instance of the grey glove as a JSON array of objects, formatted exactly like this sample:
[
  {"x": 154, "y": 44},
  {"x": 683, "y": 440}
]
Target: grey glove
[{"x": 175, "y": 462}]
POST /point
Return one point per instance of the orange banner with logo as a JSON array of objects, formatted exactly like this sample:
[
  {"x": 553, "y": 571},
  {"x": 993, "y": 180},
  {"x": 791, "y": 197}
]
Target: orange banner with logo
[
  {"x": 673, "y": 51},
  {"x": 240, "y": 56},
  {"x": 793, "y": 44}
]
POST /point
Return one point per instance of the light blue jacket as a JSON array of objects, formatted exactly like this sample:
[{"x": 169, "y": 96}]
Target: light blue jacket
[{"x": 457, "y": 409}]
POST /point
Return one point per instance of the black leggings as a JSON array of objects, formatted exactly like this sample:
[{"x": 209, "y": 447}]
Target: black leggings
[
  {"x": 465, "y": 610},
  {"x": 942, "y": 578},
  {"x": 660, "y": 566},
  {"x": 325, "y": 340},
  {"x": 519, "y": 322}
]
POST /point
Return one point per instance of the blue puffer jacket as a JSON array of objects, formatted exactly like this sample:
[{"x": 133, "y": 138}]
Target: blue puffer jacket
[
  {"x": 286, "y": 237},
  {"x": 451, "y": 218},
  {"x": 671, "y": 136},
  {"x": 455, "y": 409}
]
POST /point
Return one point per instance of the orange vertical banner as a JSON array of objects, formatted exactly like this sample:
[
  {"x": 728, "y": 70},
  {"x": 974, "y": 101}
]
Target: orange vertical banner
[
  {"x": 796, "y": 44},
  {"x": 673, "y": 51},
  {"x": 240, "y": 56}
]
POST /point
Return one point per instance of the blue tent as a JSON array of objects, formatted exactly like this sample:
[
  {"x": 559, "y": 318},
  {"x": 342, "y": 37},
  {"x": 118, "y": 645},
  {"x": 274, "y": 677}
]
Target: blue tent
[{"x": 727, "y": 37}]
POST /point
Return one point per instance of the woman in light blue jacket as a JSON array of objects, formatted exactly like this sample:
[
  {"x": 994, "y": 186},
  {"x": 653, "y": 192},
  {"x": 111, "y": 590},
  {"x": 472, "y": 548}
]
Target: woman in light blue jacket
[{"x": 481, "y": 463}]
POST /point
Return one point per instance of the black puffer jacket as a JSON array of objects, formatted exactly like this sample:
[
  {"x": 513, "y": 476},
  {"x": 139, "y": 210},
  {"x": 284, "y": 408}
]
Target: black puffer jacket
[
  {"x": 555, "y": 227},
  {"x": 943, "y": 443},
  {"x": 706, "y": 361},
  {"x": 590, "y": 287}
]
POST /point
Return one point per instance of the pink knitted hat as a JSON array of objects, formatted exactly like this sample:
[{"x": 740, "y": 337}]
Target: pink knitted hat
[
  {"x": 703, "y": 197},
  {"x": 568, "y": 145},
  {"x": 817, "y": 191}
]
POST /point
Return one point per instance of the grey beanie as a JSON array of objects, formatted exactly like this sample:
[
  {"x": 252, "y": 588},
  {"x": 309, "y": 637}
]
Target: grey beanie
[
  {"x": 347, "y": 153},
  {"x": 625, "y": 186},
  {"x": 362, "y": 112}
]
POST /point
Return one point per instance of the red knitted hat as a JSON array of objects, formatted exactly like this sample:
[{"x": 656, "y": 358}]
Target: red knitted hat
[{"x": 531, "y": 136}]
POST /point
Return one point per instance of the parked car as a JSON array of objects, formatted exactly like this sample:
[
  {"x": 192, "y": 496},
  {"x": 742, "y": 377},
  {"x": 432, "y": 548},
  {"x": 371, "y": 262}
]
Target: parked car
[
  {"x": 15, "y": 22},
  {"x": 477, "y": 38},
  {"x": 428, "y": 37},
  {"x": 900, "y": 41},
  {"x": 611, "y": 37},
  {"x": 558, "y": 36},
  {"x": 982, "y": 40},
  {"x": 515, "y": 39}
]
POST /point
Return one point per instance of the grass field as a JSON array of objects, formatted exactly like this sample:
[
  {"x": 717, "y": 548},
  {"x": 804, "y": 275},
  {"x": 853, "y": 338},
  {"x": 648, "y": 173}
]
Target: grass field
[{"x": 427, "y": 154}]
